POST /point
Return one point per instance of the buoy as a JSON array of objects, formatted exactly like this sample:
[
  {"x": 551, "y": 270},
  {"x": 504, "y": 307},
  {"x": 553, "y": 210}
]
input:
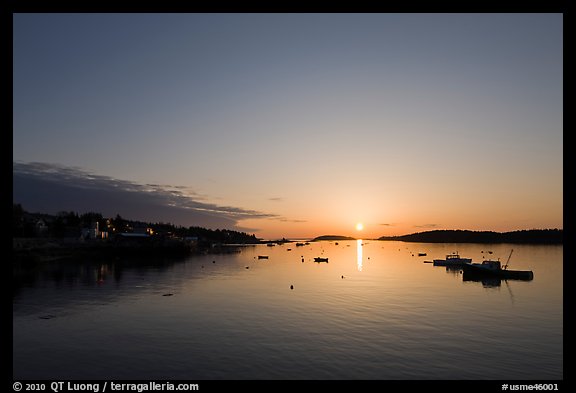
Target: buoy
[
  {"x": 291, "y": 286},
  {"x": 342, "y": 276},
  {"x": 247, "y": 267}
]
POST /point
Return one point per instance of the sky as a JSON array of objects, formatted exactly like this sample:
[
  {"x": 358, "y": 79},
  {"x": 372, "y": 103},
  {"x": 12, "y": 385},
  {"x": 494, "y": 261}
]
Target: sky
[{"x": 292, "y": 125}]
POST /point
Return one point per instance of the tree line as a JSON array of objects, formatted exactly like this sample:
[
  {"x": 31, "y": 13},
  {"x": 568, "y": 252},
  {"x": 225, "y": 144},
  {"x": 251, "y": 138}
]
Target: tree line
[
  {"x": 70, "y": 224},
  {"x": 530, "y": 236}
]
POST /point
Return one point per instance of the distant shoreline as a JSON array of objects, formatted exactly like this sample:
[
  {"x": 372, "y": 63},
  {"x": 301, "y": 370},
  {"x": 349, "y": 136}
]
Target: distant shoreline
[
  {"x": 46, "y": 249},
  {"x": 331, "y": 237},
  {"x": 51, "y": 248},
  {"x": 532, "y": 236}
]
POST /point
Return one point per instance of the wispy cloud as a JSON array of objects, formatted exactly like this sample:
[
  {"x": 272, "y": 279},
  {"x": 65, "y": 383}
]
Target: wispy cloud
[
  {"x": 276, "y": 199},
  {"x": 427, "y": 226},
  {"x": 53, "y": 187},
  {"x": 284, "y": 219}
]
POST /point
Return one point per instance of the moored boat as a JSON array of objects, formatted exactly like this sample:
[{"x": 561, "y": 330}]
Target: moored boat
[
  {"x": 452, "y": 260},
  {"x": 494, "y": 268},
  {"x": 319, "y": 259}
]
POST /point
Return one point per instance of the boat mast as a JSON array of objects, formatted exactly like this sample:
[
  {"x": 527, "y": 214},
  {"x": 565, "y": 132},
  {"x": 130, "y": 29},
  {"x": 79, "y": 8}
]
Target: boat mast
[{"x": 508, "y": 260}]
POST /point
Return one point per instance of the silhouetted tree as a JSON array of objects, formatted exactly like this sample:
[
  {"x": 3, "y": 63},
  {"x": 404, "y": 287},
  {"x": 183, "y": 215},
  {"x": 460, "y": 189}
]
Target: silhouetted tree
[
  {"x": 119, "y": 224},
  {"x": 21, "y": 227}
]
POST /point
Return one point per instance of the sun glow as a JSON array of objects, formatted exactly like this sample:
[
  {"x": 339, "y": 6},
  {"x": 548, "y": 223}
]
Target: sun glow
[{"x": 359, "y": 226}]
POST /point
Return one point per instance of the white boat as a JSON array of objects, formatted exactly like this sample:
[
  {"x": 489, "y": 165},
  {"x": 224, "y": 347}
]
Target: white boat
[{"x": 453, "y": 259}]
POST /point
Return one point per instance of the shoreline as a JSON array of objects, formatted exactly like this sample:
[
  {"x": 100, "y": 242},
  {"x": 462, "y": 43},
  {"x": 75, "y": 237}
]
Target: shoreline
[{"x": 48, "y": 249}]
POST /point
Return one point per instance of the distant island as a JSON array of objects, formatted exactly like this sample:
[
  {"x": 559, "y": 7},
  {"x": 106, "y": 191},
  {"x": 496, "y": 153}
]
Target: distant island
[
  {"x": 532, "y": 236},
  {"x": 332, "y": 237}
]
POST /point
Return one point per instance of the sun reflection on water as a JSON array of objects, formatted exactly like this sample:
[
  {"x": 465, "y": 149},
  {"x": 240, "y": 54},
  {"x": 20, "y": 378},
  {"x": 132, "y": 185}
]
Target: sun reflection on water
[{"x": 359, "y": 254}]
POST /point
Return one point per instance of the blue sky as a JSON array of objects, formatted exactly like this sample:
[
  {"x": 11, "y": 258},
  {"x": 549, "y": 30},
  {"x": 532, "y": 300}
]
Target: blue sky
[{"x": 312, "y": 122}]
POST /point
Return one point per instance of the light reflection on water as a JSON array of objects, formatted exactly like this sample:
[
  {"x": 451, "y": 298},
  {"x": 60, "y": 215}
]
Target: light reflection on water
[
  {"x": 374, "y": 312},
  {"x": 359, "y": 254}
]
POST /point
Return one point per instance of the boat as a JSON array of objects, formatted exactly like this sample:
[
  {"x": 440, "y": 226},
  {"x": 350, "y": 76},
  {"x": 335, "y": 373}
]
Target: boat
[
  {"x": 421, "y": 254},
  {"x": 262, "y": 256},
  {"x": 495, "y": 269},
  {"x": 299, "y": 244},
  {"x": 270, "y": 244},
  {"x": 452, "y": 260},
  {"x": 319, "y": 259}
]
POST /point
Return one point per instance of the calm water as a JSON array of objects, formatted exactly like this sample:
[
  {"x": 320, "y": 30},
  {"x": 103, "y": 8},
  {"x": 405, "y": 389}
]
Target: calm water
[{"x": 391, "y": 316}]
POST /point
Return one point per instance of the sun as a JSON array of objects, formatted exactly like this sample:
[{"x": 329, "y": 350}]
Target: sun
[{"x": 359, "y": 226}]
